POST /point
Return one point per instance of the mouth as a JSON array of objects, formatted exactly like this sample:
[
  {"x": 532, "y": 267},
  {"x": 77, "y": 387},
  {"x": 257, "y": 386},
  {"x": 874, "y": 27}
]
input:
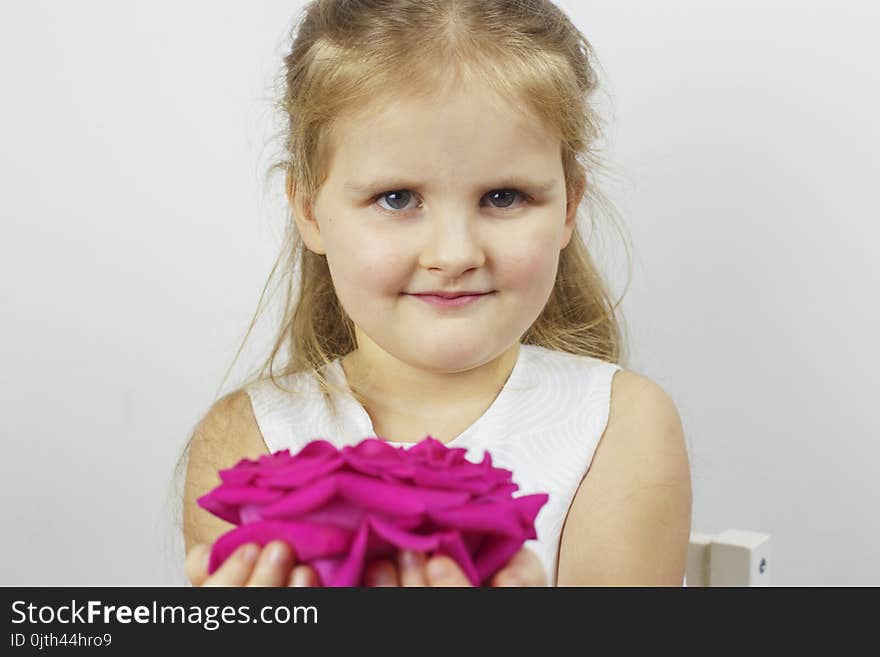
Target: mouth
[{"x": 459, "y": 300}]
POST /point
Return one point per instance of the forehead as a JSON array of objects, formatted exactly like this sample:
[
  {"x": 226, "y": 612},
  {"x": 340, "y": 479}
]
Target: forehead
[{"x": 465, "y": 133}]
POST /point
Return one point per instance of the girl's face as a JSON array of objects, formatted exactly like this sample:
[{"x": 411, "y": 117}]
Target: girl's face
[{"x": 459, "y": 196}]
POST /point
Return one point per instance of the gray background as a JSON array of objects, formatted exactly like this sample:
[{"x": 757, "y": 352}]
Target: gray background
[{"x": 136, "y": 234}]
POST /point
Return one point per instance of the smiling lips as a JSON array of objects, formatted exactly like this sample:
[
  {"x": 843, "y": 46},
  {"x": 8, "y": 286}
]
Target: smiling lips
[
  {"x": 452, "y": 300},
  {"x": 450, "y": 295}
]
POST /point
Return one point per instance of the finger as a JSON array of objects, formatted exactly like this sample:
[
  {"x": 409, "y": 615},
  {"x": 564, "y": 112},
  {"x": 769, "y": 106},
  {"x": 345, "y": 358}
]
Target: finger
[
  {"x": 273, "y": 566},
  {"x": 196, "y": 566},
  {"x": 381, "y": 572},
  {"x": 443, "y": 571},
  {"x": 412, "y": 568},
  {"x": 237, "y": 567},
  {"x": 303, "y": 575},
  {"x": 523, "y": 569}
]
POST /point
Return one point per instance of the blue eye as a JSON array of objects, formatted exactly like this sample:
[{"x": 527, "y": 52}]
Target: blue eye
[
  {"x": 511, "y": 194},
  {"x": 400, "y": 192},
  {"x": 399, "y": 204}
]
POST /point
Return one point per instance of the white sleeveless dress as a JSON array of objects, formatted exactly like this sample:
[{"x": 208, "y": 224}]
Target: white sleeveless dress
[{"x": 543, "y": 426}]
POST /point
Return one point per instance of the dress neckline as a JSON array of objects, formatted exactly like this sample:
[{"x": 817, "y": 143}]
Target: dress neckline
[{"x": 367, "y": 422}]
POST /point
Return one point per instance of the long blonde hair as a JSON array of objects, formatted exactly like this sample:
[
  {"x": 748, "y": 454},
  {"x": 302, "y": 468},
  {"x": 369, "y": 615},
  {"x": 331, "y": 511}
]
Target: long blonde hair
[{"x": 348, "y": 54}]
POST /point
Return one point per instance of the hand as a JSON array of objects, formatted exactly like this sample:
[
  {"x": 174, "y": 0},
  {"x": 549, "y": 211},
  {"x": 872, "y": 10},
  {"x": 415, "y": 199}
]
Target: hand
[
  {"x": 250, "y": 566},
  {"x": 412, "y": 569}
]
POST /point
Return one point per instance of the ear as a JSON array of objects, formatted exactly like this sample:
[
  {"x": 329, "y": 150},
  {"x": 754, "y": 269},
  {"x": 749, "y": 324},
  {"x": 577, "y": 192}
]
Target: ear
[
  {"x": 571, "y": 206},
  {"x": 306, "y": 223}
]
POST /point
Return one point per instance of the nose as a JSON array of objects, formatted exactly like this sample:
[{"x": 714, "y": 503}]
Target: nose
[{"x": 452, "y": 245}]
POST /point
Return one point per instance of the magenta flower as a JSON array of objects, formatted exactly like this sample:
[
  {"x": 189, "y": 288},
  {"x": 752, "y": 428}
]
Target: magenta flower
[{"x": 339, "y": 509}]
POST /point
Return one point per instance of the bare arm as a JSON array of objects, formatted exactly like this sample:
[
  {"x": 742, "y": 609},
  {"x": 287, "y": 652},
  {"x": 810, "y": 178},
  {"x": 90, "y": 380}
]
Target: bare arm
[
  {"x": 227, "y": 434},
  {"x": 629, "y": 523}
]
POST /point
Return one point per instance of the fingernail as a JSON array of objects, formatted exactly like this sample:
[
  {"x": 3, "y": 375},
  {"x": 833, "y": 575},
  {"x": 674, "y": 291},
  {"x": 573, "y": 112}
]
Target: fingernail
[
  {"x": 249, "y": 553},
  {"x": 408, "y": 559},
  {"x": 277, "y": 553},
  {"x": 438, "y": 568},
  {"x": 300, "y": 577},
  {"x": 511, "y": 580},
  {"x": 383, "y": 578}
]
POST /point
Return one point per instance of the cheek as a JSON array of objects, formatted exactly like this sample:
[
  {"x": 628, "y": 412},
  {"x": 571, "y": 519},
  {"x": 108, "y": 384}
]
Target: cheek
[
  {"x": 532, "y": 270},
  {"x": 366, "y": 267}
]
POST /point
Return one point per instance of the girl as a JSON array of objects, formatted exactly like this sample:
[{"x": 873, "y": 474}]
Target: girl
[{"x": 433, "y": 173}]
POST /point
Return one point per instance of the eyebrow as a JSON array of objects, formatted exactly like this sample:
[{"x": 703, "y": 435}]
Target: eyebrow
[{"x": 400, "y": 183}]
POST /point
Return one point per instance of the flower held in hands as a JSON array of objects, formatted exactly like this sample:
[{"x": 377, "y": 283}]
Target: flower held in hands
[{"x": 339, "y": 509}]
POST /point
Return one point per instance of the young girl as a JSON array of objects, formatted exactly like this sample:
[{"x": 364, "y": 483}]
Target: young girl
[{"x": 433, "y": 173}]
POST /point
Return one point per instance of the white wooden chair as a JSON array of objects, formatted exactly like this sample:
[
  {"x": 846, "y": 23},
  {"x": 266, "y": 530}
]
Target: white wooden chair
[{"x": 734, "y": 557}]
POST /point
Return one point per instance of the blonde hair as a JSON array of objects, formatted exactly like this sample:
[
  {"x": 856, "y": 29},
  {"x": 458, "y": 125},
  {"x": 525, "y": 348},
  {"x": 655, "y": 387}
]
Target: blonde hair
[{"x": 347, "y": 55}]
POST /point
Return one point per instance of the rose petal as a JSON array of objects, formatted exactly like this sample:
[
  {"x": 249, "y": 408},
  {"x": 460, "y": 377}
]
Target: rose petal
[
  {"x": 342, "y": 513},
  {"x": 439, "y": 479},
  {"x": 388, "y": 470},
  {"x": 308, "y": 540},
  {"x": 473, "y": 540},
  {"x": 349, "y": 573},
  {"x": 223, "y": 511},
  {"x": 448, "y": 542},
  {"x": 455, "y": 457},
  {"x": 377, "y": 495},
  {"x": 250, "y": 513},
  {"x": 437, "y": 499},
  {"x": 528, "y": 507},
  {"x": 225, "y": 501},
  {"x": 372, "y": 449},
  {"x": 489, "y": 518},
  {"x": 494, "y": 554},
  {"x": 273, "y": 460},
  {"x": 403, "y": 539},
  {"x": 300, "y": 472},
  {"x": 339, "y": 513},
  {"x": 326, "y": 567},
  {"x": 301, "y": 501},
  {"x": 452, "y": 545},
  {"x": 317, "y": 449},
  {"x": 238, "y": 476},
  {"x": 238, "y": 495},
  {"x": 429, "y": 448},
  {"x": 499, "y": 494},
  {"x": 375, "y": 459}
]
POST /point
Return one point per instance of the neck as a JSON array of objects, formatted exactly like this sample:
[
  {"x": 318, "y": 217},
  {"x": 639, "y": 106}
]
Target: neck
[{"x": 391, "y": 386}]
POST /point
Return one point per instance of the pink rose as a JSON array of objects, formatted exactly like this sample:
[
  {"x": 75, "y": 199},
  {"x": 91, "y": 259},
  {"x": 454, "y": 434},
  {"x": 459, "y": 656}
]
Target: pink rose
[{"x": 339, "y": 509}]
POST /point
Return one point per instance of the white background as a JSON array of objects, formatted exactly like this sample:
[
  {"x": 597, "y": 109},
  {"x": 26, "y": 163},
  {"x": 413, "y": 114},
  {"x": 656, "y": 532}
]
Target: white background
[{"x": 137, "y": 229}]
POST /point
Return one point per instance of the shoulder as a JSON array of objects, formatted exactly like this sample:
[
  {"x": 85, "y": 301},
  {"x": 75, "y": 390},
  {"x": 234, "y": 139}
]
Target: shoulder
[
  {"x": 629, "y": 522},
  {"x": 230, "y": 423},
  {"x": 643, "y": 409},
  {"x": 227, "y": 433}
]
